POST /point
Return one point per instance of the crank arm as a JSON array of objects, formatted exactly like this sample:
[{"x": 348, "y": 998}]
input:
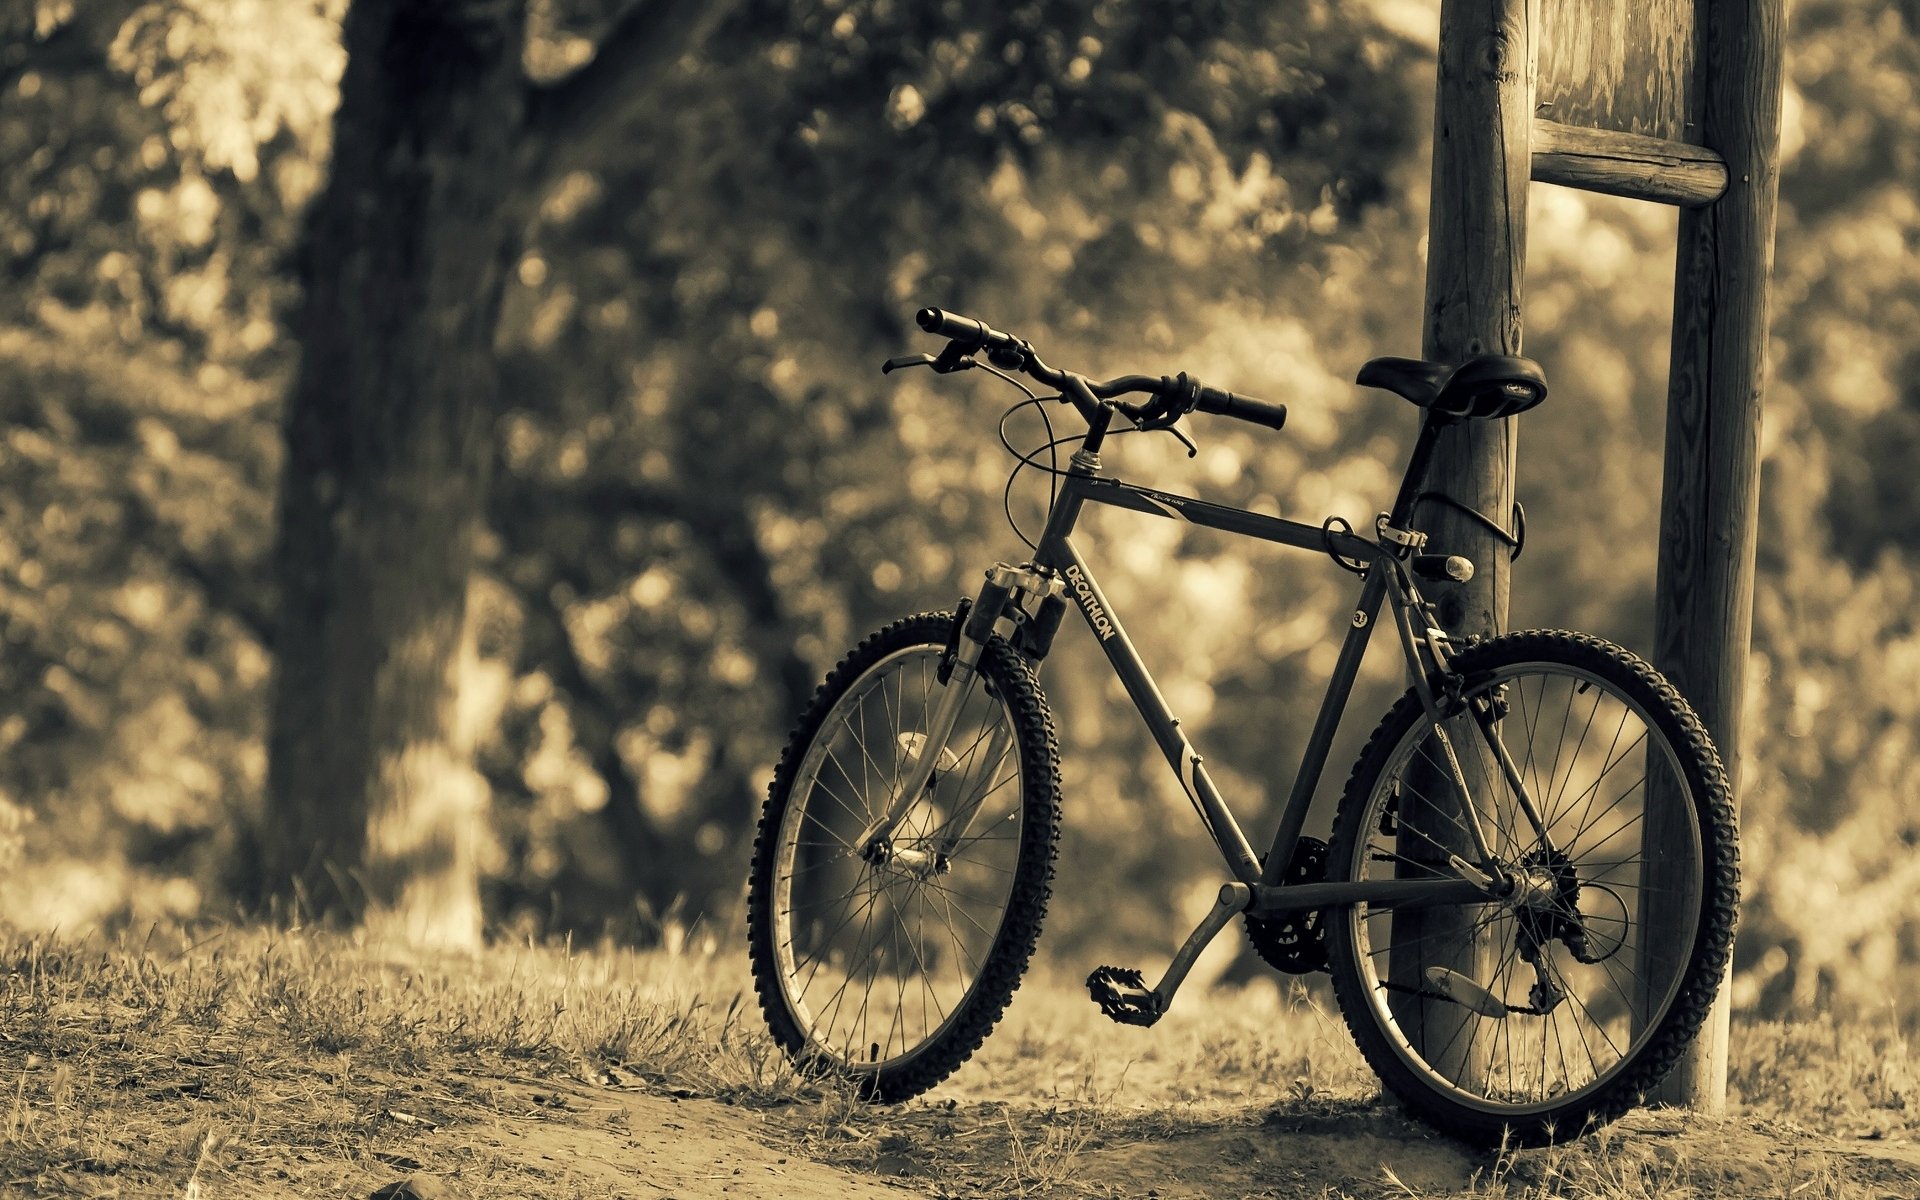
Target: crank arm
[{"x": 1234, "y": 899}]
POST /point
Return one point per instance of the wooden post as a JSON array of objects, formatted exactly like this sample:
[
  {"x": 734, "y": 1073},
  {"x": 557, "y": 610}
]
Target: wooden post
[
  {"x": 1476, "y": 262},
  {"x": 1609, "y": 65},
  {"x": 1704, "y": 591}
]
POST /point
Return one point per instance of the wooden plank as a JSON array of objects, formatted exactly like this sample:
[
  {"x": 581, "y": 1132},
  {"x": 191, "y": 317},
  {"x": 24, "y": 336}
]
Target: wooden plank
[
  {"x": 1476, "y": 263},
  {"x": 1703, "y": 602},
  {"x": 1617, "y": 64},
  {"x": 1627, "y": 164}
]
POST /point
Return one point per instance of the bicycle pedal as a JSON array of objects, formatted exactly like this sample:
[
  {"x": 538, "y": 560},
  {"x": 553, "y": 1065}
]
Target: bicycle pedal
[{"x": 1124, "y": 996}]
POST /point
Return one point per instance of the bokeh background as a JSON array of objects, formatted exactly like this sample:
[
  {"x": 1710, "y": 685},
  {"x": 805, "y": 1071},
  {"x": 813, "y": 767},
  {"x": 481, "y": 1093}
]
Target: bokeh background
[{"x": 704, "y": 491}]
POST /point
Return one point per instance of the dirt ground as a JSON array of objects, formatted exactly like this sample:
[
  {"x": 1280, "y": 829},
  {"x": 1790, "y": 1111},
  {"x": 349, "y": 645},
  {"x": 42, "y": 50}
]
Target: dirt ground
[
  {"x": 626, "y": 1141},
  {"x": 618, "y": 1143}
]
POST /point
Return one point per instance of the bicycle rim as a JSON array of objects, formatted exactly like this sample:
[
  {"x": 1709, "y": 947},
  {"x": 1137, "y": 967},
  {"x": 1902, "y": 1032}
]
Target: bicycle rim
[
  {"x": 878, "y": 955},
  {"x": 1609, "y": 910}
]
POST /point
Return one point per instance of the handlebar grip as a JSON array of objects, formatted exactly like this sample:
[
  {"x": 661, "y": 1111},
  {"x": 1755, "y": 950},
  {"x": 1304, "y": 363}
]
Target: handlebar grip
[
  {"x": 977, "y": 334},
  {"x": 1241, "y": 408}
]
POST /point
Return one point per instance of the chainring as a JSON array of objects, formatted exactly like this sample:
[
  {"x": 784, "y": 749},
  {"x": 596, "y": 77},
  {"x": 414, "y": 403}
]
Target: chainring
[{"x": 1296, "y": 943}]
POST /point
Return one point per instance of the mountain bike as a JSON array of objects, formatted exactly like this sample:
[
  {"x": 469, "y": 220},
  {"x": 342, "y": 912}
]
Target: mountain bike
[{"x": 1527, "y": 901}]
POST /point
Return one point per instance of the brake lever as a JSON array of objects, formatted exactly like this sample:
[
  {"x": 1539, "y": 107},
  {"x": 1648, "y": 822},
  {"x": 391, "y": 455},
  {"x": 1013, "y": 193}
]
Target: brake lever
[
  {"x": 905, "y": 361},
  {"x": 1150, "y": 419},
  {"x": 950, "y": 360}
]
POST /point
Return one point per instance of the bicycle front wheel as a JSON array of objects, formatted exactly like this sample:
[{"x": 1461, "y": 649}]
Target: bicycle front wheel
[
  {"x": 1600, "y": 800},
  {"x": 889, "y": 960}
]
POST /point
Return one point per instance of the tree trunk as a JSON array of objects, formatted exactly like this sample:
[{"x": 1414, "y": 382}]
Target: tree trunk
[{"x": 374, "y": 811}]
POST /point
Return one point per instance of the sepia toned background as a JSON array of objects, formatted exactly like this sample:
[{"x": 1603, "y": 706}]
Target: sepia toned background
[{"x": 702, "y": 490}]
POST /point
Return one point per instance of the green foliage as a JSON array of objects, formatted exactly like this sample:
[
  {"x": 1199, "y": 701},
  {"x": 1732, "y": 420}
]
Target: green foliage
[
  {"x": 705, "y": 491},
  {"x": 158, "y": 157},
  {"x": 131, "y": 526},
  {"x": 1832, "y": 713},
  {"x": 138, "y": 349},
  {"x": 718, "y": 493},
  {"x": 690, "y": 520}
]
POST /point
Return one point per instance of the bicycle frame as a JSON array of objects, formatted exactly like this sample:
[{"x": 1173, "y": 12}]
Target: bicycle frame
[
  {"x": 1257, "y": 889},
  {"x": 1440, "y": 888},
  {"x": 1385, "y": 579}
]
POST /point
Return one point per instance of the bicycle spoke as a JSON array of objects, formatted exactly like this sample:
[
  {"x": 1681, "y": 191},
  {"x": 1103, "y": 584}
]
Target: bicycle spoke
[
  {"x": 1631, "y": 788},
  {"x": 877, "y": 958},
  {"x": 1568, "y": 813},
  {"x": 1573, "y": 760},
  {"x": 819, "y": 957},
  {"x": 1609, "y": 759},
  {"x": 1593, "y": 790},
  {"x": 926, "y": 971}
]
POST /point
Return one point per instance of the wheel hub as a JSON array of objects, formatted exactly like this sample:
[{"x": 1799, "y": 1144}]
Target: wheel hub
[
  {"x": 907, "y": 862},
  {"x": 1546, "y": 901}
]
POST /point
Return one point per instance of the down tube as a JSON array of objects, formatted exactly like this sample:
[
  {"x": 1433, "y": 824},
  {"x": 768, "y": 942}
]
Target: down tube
[{"x": 1165, "y": 727}]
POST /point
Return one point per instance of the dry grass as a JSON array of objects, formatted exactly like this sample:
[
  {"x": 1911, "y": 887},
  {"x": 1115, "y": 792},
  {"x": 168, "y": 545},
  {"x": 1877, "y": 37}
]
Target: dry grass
[
  {"x": 156, "y": 1061},
  {"x": 190, "y": 1062}
]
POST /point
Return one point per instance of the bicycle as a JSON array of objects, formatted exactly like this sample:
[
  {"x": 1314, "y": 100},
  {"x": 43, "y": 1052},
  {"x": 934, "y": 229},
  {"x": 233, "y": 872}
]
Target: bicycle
[{"x": 1528, "y": 789}]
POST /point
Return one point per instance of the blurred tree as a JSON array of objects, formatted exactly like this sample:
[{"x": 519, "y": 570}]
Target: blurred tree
[
  {"x": 706, "y": 491},
  {"x": 702, "y": 491},
  {"x": 1834, "y": 914},
  {"x": 1831, "y": 914},
  {"x": 152, "y": 154},
  {"x": 441, "y": 148}
]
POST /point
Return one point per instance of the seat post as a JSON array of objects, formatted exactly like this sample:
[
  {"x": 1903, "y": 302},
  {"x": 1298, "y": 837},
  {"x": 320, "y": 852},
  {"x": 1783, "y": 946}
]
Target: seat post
[{"x": 1416, "y": 477}]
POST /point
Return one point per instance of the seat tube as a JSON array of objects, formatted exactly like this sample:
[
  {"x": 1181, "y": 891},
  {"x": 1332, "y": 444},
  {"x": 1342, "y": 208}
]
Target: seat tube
[
  {"x": 1416, "y": 476},
  {"x": 1313, "y": 761}
]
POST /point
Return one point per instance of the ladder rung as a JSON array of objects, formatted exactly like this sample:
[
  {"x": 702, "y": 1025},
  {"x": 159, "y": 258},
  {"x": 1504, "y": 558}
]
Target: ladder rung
[{"x": 1627, "y": 164}]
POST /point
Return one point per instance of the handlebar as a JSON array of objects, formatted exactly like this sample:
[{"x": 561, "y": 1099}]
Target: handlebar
[
  {"x": 1173, "y": 398},
  {"x": 978, "y": 335},
  {"x": 1241, "y": 408}
]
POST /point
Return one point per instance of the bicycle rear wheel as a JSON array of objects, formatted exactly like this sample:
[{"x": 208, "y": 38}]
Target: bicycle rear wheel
[
  {"x": 890, "y": 964},
  {"x": 1554, "y": 1008}
]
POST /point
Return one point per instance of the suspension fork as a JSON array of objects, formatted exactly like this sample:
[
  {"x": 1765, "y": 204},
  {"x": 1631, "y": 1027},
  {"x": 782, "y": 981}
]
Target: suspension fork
[
  {"x": 998, "y": 595},
  {"x": 960, "y": 821}
]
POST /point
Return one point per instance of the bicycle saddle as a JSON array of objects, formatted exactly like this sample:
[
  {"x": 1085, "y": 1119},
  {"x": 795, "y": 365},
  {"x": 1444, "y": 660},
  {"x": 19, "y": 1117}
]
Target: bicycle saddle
[{"x": 1484, "y": 386}]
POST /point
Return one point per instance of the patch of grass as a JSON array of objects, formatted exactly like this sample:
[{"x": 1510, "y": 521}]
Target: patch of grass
[
  {"x": 1855, "y": 1079},
  {"x": 210, "y": 1059},
  {"x": 1037, "y": 1163},
  {"x": 1644, "y": 1161},
  {"x": 309, "y": 1047}
]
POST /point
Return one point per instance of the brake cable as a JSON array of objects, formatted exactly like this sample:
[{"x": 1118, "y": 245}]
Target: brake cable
[{"x": 1159, "y": 415}]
